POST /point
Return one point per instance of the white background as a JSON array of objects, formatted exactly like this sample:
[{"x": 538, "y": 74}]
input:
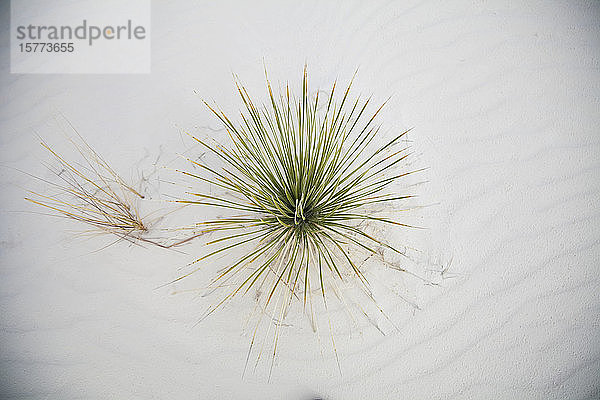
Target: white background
[{"x": 504, "y": 97}]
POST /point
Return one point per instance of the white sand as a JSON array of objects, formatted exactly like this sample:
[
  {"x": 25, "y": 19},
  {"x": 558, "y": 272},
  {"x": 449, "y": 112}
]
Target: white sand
[{"x": 505, "y": 101}]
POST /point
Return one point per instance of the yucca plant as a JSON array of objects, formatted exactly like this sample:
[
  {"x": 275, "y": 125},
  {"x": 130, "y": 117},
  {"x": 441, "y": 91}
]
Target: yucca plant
[
  {"x": 298, "y": 183},
  {"x": 91, "y": 192}
]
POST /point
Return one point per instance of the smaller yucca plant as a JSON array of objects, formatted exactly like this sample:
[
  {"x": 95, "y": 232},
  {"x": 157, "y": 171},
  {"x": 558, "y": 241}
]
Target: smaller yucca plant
[
  {"x": 91, "y": 192},
  {"x": 299, "y": 180}
]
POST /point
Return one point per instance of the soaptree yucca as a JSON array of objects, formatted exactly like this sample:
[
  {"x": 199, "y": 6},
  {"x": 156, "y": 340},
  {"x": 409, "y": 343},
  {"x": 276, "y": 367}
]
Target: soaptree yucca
[
  {"x": 298, "y": 182},
  {"x": 90, "y": 192},
  {"x": 85, "y": 188}
]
